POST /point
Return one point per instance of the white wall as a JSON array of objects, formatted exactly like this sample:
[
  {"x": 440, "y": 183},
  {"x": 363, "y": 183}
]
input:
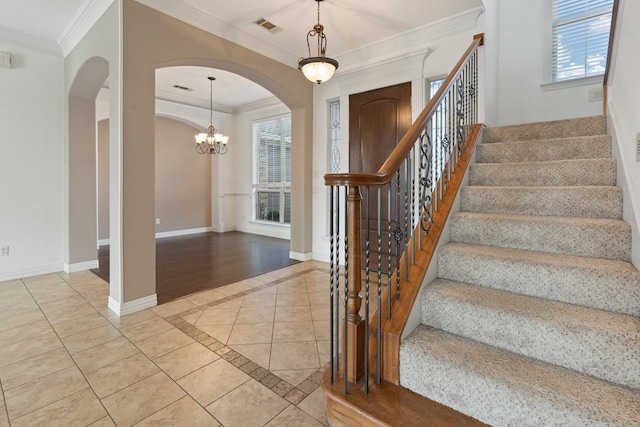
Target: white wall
[
  {"x": 521, "y": 32},
  {"x": 623, "y": 105},
  {"x": 32, "y": 163}
]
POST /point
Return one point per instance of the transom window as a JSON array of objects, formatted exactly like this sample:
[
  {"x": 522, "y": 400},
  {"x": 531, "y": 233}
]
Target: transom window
[
  {"x": 580, "y": 38},
  {"x": 272, "y": 172}
]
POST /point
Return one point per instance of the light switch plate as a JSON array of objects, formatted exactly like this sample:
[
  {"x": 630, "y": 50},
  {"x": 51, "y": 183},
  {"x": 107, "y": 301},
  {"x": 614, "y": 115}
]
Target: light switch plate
[{"x": 5, "y": 60}]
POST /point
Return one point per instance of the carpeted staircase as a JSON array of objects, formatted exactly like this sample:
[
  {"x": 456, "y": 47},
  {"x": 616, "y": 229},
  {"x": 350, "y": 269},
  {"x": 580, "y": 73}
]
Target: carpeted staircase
[{"x": 534, "y": 319}]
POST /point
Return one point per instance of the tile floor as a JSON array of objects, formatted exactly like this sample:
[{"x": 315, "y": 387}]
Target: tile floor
[{"x": 246, "y": 354}]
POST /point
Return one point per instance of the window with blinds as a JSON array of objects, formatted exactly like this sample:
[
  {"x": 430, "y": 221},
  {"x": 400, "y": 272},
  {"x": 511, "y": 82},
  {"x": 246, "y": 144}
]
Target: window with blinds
[
  {"x": 580, "y": 38},
  {"x": 272, "y": 174}
]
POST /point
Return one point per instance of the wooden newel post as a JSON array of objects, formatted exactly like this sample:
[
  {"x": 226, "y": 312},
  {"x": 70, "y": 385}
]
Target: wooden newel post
[{"x": 355, "y": 324}]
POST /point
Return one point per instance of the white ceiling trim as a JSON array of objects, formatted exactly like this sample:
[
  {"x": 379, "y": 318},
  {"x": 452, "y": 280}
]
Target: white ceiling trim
[
  {"x": 213, "y": 25},
  {"x": 30, "y": 42},
  {"x": 406, "y": 44},
  {"x": 85, "y": 18}
]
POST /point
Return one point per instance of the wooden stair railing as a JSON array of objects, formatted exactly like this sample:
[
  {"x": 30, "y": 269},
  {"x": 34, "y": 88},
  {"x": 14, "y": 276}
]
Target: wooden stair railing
[{"x": 419, "y": 181}]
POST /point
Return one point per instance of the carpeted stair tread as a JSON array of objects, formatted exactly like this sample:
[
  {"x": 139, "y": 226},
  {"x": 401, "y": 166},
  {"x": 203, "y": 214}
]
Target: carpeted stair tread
[
  {"x": 589, "y": 237},
  {"x": 591, "y": 282},
  {"x": 595, "y": 342},
  {"x": 579, "y": 201},
  {"x": 548, "y": 173},
  {"x": 505, "y": 389},
  {"x": 586, "y": 147},
  {"x": 584, "y": 126}
]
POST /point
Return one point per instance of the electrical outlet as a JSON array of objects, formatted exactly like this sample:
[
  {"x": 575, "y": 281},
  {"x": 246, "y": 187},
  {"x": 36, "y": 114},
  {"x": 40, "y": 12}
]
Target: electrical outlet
[
  {"x": 5, "y": 60},
  {"x": 4, "y": 251},
  {"x": 157, "y": 221}
]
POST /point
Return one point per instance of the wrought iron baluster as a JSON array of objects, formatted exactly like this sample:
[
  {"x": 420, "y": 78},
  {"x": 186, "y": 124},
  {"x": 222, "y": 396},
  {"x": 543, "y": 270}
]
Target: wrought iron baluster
[
  {"x": 366, "y": 288},
  {"x": 346, "y": 293},
  {"x": 331, "y": 277}
]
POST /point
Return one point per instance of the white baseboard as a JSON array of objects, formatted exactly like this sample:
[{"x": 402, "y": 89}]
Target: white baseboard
[
  {"x": 122, "y": 309},
  {"x": 80, "y": 266},
  {"x": 163, "y": 234},
  {"x": 300, "y": 256},
  {"x": 19, "y": 274}
]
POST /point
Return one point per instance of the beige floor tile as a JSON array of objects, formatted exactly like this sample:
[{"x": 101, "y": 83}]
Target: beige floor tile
[
  {"x": 319, "y": 298},
  {"x": 293, "y": 286},
  {"x": 251, "y": 405},
  {"x": 293, "y": 416},
  {"x": 251, "y": 333},
  {"x": 296, "y": 313},
  {"x": 316, "y": 405},
  {"x": 219, "y": 332},
  {"x": 131, "y": 319},
  {"x": 145, "y": 329},
  {"x": 322, "y": 330},
  {"x": 233, "y": 289},
  {"x": 202, "y": 298},
  {"x": 292, "y": 299},
  {"x": 321, "y": 312},
  {"x": 4, "y": 418},
  {"x": 184, "y": 412},
  {"x": 234, "y": 303},
  {"x": 213, "y": 381},
  {"x": 163, "y": 343},
  {"x": 121, "y": 374},
  {"x": 269, "y": 290},
  {"x": 71, "y": 313},
  {"x": 52, "y": 292},
  {"x": 105, "y": 354},
  {"x": 79, "y": 325},
  {"x": 81, "y": 408},
  {"x": 43, "y": 279},
  {"x": 173, "y": 307},
  {"x": 28, "y": 332},
  {"x": 92, "y": 338},
  {"x": 257, "y": 353},
  {"x": 22, "y": 319},
  {"x": 16, "y": 306},
  {"x": 259, "y": 300},
  {"x": 186, "y": 360},
  {"x": 193, "y": 318},
  {"x": 62, "y": 304},
  {"x": 295, "y": 377},
  {"x": 31, "y": 369},
  {"x": 324, "y": 351},
  {"x": 218, "y": 316},
  {"x": 300, "y": 355},
  {"x": 39, "y": 393},
  {"x": 26, "y": 349},
  {"x": 104, "y": 422},
  {"x": 293, "y": 332},
  {"x": 142, "y": 399},
  {"x": 256, "y": 315}
]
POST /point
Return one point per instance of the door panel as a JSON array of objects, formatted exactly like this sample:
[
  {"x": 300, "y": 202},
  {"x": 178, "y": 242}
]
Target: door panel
[{"x": 378, "y": 119}]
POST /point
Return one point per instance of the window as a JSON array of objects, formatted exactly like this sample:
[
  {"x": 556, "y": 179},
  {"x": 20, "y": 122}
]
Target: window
[
  {"x": 334, "y": 136},
  {"x": 580, "y": 37},
  {"x": 272, "y": 173},
  {"x": 438, "y": 131}
]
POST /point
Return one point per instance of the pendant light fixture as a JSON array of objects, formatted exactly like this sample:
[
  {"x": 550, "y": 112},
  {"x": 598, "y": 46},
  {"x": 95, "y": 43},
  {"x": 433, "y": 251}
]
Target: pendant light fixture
[
  {"x": 318, "y": 69},
  {"x": 212, "y": 141}
]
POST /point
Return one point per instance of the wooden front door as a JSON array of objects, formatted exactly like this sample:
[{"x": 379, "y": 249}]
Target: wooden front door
[{"x": 378, "y": 119}]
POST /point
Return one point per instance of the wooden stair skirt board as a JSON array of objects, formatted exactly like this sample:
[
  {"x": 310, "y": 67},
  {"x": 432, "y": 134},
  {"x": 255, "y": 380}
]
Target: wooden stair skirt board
[{"x": 386, "y": 404}]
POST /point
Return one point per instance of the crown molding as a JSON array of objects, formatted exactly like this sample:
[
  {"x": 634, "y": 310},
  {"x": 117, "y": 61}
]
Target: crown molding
[
  {"x": 408, "y": 43},
  {"x": 200, "y": 19},
  {"x": 30, "y": 42},
  {"x": 85, "y": 18}
]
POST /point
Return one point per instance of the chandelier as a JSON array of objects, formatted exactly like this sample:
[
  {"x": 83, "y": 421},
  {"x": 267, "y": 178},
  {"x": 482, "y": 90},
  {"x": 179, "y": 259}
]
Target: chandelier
[
  {"x": 318, "y": 69},
  {"x": 212, "y": 141}
]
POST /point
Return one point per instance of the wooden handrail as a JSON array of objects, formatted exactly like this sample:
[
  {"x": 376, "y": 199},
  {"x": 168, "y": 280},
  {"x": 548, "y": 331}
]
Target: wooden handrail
[{"x": 388, "y": 169}]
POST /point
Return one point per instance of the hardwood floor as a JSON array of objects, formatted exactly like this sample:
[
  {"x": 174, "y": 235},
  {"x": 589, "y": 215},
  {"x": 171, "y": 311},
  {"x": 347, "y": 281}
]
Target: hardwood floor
[{"x": 193, "y": 263}]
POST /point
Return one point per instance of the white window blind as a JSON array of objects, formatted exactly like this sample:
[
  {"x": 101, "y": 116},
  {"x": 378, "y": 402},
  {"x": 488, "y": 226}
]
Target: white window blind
[
  {"x": 580, "y": 38},
  {"x": 272, "y": 183}
]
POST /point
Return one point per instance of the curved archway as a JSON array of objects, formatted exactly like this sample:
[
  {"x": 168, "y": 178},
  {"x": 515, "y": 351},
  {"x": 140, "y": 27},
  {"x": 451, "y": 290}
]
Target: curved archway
[{"x": 81, "y": 243}]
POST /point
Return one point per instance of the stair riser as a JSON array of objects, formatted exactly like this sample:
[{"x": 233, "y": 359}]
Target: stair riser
[
  {"x": 584, "y": 202},
  {"x": 586, "y": 126},
  {"x": 613, "y": 289},
  {"x": 559, "y": 339},
  {"x": 557, "y": 173},
  {"x": 609, "y": 239},
  {"x": 536, "y": 151}
]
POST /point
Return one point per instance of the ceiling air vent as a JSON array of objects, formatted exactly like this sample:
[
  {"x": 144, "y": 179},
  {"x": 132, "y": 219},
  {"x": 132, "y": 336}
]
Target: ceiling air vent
[
  {"x": 188, "y": 89},
  {"x": 267, "y": 25}
]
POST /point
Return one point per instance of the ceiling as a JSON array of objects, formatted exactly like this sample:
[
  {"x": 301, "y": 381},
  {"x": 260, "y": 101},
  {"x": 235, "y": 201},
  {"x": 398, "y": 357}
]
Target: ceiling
[{"x": 349, "y": 25}]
